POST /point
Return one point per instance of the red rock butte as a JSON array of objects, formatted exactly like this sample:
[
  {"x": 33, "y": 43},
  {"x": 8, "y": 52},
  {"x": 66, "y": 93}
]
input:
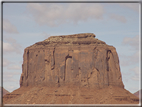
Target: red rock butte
[
  {"x": 71, "y": 69},
  {"x": 73, "y": 60}
]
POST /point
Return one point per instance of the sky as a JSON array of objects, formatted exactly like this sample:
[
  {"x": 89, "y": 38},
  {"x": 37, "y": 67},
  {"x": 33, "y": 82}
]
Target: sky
[{"x": 117, "y": 24}]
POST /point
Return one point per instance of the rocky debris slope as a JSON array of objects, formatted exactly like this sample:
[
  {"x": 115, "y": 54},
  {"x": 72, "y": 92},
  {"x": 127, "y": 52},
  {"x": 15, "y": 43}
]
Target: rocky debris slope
[
  {"x": 71, "y": 69},
  {"x": 66, "y": 95}
]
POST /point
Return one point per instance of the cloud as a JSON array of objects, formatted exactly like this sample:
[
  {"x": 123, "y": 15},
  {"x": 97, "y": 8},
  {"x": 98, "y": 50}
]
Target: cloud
[
  {"x": 57, "y": 14},
  {"x": 45, "y": 35},
  {"x": 10, "y": 80},
  {"x": 9, "y": 76},
  {"x": 125, "y": 76},
  {"x": 130, "y": 60},
  {"x": 118, "y": 18},
  {"x": 11, "y": 73},
  {"x": 133, "y": 42},
  {"x": 9, "y": 27},
  {"x": 136, "y": 76},
  {"x": 7, "y": 47},
  {"x": 5, "y": 62},
  {"x": 14, "y": 67},
  {"x": 11, "y": 46},
  {"x": 133, "y": 6}
]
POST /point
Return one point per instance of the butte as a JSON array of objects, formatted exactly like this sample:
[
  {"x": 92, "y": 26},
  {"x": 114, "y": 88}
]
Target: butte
[{"x": 71, "y": 69}]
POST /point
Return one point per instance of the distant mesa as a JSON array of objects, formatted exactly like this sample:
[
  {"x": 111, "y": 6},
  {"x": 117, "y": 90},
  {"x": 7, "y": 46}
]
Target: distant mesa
[
  {"x": 138, "y": 93},
  {"x": 71, "y": 69},
  {"x": 4, "y": 91}
]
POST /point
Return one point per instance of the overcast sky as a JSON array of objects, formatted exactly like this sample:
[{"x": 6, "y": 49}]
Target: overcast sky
[{"x": 117, "y": 24}]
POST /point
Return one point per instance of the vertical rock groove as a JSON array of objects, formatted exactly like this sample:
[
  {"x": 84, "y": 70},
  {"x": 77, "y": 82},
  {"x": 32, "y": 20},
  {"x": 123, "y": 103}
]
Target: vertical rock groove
[
  {"x": 107, "y": 62},
  {"x": 65, "y": 69},
  {"x": 27, "y": 64},
  {"x": 53, "y": 60}
]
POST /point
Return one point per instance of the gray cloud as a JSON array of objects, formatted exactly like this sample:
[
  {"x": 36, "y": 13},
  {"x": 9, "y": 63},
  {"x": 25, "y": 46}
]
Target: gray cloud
[
  {"x": 9, "y": 27},
  {"x": 57, "y": 14},
  {"x": 118, "y": 18},
  {"x": 132, "y": 42},
  {"x": 7, "y": 47},
  {"x": 11, "y": 46},
  {"x": 133, "y": 6},
  {"x": 9, "y": 76},
  {"x": 137, "y": 74},
  {"x": 6, "y": 62},
  {"x": 15, "y": 67},
  {"x": 130, "y": 60},
  {"x": 45, "y": 35}
]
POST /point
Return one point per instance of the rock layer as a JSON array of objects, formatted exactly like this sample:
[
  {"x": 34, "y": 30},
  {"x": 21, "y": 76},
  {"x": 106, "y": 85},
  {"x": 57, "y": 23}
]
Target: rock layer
[{"x": 78, "y": 60}]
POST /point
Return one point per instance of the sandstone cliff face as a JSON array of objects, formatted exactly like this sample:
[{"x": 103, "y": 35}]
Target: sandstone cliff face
[{"x": 74, "y": 60}]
